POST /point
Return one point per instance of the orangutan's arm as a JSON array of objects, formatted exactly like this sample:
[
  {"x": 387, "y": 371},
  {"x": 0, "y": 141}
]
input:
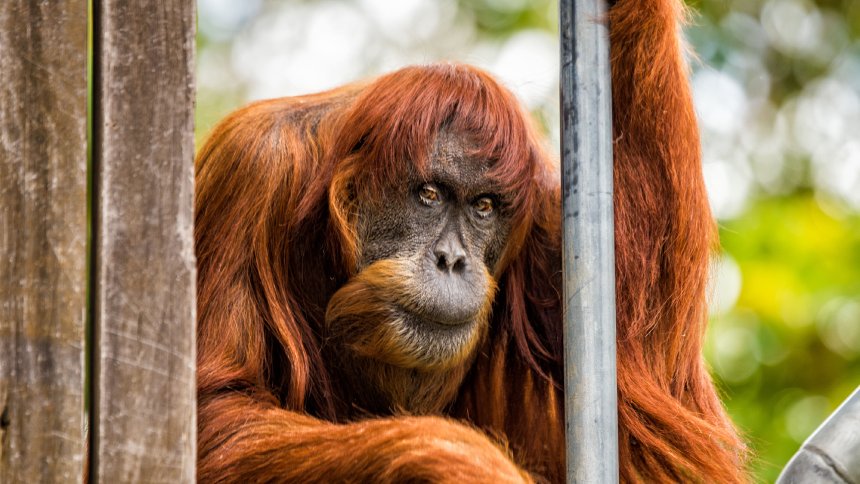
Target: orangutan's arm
[{"x": 243, "y": 440}]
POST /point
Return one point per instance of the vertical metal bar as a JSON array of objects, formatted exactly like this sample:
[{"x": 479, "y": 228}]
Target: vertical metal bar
[{"x": 588, "y": 244}]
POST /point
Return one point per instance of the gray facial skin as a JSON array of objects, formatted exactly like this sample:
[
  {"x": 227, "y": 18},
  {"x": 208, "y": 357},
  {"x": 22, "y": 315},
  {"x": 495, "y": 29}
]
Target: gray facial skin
[
  {"x": 435, "y": 238},
  {"x": 451, "y": 226}
]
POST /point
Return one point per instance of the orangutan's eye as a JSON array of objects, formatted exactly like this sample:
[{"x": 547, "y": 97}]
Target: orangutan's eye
[
  {"x": 430, "y": 195},
  {"x": 484, "y": 206}
]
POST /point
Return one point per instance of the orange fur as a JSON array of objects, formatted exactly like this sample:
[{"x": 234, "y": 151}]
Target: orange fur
[
  {"x": 363, "y": 309},
  {"x": 277, "y": 251}
]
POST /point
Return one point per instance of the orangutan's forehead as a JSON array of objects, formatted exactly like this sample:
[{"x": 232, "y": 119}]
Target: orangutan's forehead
[
  {"x": 455, "y": 154},
  {"x": 454, "y": 163}
]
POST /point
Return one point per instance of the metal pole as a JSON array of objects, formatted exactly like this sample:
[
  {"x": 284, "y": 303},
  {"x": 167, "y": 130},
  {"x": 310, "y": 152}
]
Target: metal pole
[
  {"x": 588, "y": 256},
  {"x": 832, "y": 453}
]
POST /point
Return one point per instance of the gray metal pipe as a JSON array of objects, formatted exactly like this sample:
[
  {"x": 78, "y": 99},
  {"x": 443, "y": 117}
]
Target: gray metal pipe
[
  {"x": 832, "y": 453},
  {"x": 588, "y": 256}
]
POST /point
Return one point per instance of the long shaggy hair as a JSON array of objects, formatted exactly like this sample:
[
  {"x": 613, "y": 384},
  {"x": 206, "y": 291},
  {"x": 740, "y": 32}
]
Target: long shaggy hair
[{"x": 276, "y": 240}]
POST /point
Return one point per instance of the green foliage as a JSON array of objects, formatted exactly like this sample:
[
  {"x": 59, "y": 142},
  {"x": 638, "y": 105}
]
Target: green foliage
[
  {"x": 789, "y": 351},
  {"x": 502, "y": 17}
]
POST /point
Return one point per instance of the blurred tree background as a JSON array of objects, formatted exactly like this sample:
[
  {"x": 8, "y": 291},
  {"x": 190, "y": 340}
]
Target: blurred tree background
[{"x": 777, "y": 90}]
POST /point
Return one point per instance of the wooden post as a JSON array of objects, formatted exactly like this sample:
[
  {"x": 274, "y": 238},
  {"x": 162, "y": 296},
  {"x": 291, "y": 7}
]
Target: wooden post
[
  {"x": 43, "y": 233},
  {"x": 143, "y": 410},
  {"x": 591, "y": 410}
]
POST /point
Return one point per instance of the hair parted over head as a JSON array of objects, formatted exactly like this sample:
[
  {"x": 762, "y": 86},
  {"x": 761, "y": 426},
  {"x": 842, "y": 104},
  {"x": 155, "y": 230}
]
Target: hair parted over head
[
  {"x": 394, "y": 121},
  {"x": 279, "y": 187}
]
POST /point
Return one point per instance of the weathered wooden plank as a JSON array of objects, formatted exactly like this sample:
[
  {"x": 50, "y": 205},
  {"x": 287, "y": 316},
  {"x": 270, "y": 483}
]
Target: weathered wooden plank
[
  {"x": 591, "y": 411},
  {"x": 43, "y": 232},
  {"x": 144, "y": 318}
]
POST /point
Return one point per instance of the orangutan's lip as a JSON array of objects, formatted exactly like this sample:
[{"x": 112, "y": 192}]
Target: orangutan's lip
[
  {"x": 447, "y": 323},
  {"x": 421, "y": 318}
]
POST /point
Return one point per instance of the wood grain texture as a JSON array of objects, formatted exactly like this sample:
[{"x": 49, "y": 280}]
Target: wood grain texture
[
  {"x": 43, "y": 227},
  {"x": 144, "y": 309}
]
